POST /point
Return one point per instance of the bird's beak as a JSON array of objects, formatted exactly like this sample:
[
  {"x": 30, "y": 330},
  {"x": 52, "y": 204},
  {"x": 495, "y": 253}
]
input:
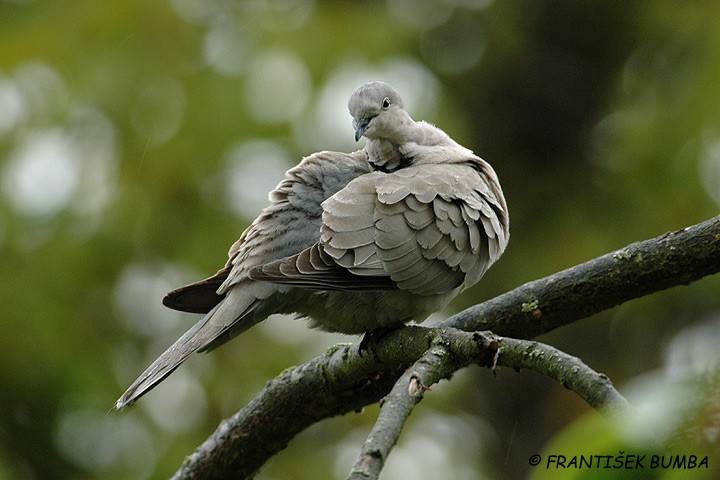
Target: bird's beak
[{"x": 360, "y": 127}]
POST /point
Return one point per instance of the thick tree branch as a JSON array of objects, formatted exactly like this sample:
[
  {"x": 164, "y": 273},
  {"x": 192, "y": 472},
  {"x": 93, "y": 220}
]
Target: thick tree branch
[{"x": 342, "y": 381}]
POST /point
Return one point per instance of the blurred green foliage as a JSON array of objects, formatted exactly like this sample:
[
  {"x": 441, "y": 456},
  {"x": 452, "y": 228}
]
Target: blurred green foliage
[{"x": 138, "y": 139}]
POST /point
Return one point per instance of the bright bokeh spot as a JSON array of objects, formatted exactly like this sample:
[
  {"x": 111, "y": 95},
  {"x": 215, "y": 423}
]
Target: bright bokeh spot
[
  {"x": 138, "y": 294},
  {"x": 43, "y": 89},
  {"x": 12, "y": 105},
  {"x": 254, "y": 168},
  {"x": 120, "y": 446},
  {"x": 227, "y": 46},
  {"x": 277, "y": 87},
  {"x": 178, "y": 403},
  {"x": 42, "y": 173}
]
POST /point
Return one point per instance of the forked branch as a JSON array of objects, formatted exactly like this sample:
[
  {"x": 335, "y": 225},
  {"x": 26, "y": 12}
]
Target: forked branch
[{"x": 342, "y": 380}]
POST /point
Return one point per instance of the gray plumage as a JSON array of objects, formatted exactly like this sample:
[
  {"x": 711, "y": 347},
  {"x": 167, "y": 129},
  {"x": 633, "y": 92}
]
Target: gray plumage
[{"x": 354, "y": 242}]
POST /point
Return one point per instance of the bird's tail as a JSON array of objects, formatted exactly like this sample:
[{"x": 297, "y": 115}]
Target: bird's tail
[{"x": 234, "y": 313}]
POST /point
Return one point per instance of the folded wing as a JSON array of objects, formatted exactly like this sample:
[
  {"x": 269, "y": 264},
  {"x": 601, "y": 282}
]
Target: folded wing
[{"x": 427, "y": 229}]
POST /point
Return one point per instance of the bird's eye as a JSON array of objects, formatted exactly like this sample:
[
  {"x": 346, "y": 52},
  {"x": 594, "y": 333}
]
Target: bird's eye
[{"x": 386, "y": 102}]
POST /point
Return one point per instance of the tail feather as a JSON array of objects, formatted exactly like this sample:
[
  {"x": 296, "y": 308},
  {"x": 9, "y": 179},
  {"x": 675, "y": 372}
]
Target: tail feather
[
  {"x": 233, "y": 312},
  {"x": 198, "y": 297}
]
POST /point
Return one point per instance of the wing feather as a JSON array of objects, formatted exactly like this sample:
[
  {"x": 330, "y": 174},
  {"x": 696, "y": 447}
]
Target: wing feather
[{"x": 427, "y": 229}]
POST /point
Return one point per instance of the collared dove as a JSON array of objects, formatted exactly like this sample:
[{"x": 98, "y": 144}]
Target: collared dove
[{"x": 355, "y": 242}]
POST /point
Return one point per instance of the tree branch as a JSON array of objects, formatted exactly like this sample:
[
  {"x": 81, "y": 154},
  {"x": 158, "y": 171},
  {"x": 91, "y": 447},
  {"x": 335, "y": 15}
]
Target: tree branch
[
  {"x": 595, "y": 388},
  {"x": 337, "y": 382},
  {"x": 341, "y": 380},
  {"x": 675, "y": 258},
  {"x": 396, "y": 407},
  {"x": 451, "y": 350}
]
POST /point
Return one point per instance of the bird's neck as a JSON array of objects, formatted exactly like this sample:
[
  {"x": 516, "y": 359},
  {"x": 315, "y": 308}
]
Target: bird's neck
[
  {"x": 385, "y": 156},
  {"x": 391, "y": 154}
]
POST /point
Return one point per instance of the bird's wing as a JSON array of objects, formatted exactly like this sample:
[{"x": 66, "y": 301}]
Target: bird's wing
[
  {"x": 426, "y": 229},
  {"x": 287, "y": 226}
]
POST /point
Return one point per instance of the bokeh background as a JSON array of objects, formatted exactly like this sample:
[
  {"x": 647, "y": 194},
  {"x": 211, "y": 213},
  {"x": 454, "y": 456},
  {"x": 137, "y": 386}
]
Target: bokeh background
[{"x": 138, "y": 139}]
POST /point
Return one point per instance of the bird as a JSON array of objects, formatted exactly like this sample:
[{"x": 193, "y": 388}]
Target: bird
[{"x": 353, "y": 242}]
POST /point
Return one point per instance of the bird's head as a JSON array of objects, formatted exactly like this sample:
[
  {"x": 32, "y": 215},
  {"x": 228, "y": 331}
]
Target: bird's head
[{"x": 378, "y": 112}]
